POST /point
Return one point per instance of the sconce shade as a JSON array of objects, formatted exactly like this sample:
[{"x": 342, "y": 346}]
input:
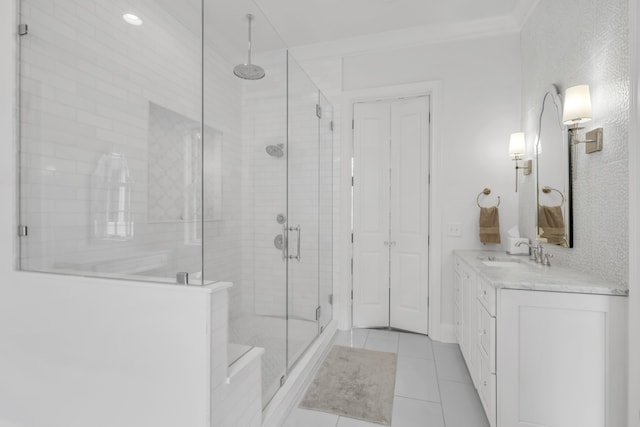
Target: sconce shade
[
  {"x": 577, "y": 105},
  {"x": 516, "y": 144}
]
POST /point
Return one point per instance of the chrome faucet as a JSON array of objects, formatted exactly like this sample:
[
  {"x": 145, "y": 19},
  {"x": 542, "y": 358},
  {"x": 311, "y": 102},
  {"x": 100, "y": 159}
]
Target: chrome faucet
[
  {"x": 536, "y": 251},
  {"x": 532, "y": 249},
  {"x": 540, "y": 253}
]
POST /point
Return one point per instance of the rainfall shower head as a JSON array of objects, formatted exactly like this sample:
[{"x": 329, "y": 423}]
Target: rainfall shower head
[
  {"x": 275, "y": 150},
  {"x": 249, "y": 71}
]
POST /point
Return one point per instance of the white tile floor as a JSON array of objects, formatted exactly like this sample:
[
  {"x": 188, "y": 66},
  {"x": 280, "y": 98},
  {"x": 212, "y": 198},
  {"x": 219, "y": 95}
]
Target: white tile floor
[{"x": 433, "y": 386}]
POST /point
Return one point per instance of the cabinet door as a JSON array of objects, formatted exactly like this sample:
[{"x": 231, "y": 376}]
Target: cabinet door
[
  {"x": 473, "y": 327},
  {"x": 466, "y": 317},
  {"x": 457, "y": 303},
  {"x": 561, "y": 359}
]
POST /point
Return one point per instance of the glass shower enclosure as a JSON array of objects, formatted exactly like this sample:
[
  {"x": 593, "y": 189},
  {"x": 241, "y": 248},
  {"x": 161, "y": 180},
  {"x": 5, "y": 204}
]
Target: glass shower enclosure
[{"x": 143, "y": 157}]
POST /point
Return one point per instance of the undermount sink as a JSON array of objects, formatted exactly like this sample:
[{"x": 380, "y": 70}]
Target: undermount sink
[
  {"x": 493, "y": 261},
  {"x": 502, "y": 263}
]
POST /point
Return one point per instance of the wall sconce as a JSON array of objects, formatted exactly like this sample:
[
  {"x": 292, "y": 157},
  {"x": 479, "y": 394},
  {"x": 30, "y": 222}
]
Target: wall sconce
[
  {"x": 577, "y": 110},
  {"x": 516, "y": 150}
]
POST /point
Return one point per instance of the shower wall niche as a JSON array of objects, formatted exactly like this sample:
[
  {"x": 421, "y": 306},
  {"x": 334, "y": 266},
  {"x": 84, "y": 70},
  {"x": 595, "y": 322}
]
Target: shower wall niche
[{"x": 143, "y": 156}]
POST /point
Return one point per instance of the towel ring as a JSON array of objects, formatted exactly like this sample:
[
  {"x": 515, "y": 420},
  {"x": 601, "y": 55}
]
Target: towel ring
[
  {"x": 486, "y": 192},
  {"x": 546, "y": 190}
]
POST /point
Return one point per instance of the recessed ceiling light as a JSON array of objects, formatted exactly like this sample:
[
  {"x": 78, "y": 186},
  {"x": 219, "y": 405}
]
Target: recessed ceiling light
[{"x": 132, "y": 19}]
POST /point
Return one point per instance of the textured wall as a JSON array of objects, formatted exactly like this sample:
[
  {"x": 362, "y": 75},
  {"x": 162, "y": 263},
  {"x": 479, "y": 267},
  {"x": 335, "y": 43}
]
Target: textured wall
[{"x": 584, "y": 42}]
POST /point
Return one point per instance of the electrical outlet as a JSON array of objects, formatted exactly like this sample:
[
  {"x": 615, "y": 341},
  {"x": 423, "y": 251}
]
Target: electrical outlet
[{"x": 454, "y": 229}]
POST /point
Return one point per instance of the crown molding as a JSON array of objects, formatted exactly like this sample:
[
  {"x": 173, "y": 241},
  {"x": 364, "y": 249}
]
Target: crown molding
[{"x": 409, "y": 37}]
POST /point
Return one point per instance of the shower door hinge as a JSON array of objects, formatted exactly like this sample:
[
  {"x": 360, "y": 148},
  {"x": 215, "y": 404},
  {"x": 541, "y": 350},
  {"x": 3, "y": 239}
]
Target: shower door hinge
[
  {"x": 318, "y": 111},
  {"x": 331, "y": 125},
  {"x": 318, "y": 311},
  {"x": 23, "y": 29},
  {"x": 22, "y": 231},
  {"x": 283, "y": 379},
  {"x": 353, "y": 124},
  {"x": 351, "y": 237},
  {"x": 352, "y": 295},
  {"x": 331, "y": 299}
]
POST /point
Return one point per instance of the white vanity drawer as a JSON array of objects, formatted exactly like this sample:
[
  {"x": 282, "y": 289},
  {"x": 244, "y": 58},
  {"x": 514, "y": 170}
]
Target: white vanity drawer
[
  {"x": 487, "y": 296},
  {"x": 487, "y": 391},
  {"x": 487, "y": 339}
]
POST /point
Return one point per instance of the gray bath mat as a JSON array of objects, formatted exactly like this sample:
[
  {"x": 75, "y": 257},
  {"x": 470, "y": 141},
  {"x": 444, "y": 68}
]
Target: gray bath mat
[{"x": 354, "y": 383}]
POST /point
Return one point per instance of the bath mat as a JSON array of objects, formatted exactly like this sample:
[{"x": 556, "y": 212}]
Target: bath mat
[{"x": 354, "y": 383}]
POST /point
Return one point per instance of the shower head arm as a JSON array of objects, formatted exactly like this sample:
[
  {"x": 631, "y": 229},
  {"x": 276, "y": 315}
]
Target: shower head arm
[{"x": 250, "y": 18}]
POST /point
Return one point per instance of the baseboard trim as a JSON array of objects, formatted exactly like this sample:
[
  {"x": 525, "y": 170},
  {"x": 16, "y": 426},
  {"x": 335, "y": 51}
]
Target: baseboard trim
[{"x": 275, "y": 414}]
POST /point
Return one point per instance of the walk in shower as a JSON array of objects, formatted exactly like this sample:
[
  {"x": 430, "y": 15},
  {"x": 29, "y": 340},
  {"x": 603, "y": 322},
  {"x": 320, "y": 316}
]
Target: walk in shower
[{"x": 144, "y": 157}]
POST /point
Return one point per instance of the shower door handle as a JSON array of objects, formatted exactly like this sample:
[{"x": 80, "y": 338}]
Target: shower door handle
[
  {"x": 297, "y": 255},
  {"x": 285, "y": 242}
]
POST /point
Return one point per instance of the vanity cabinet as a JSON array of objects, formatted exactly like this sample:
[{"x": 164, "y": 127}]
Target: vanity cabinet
[
  {"x": 466, "y": 316},
  {"x": 562, "y": 359},
  {"x": 544, "y": 347}
]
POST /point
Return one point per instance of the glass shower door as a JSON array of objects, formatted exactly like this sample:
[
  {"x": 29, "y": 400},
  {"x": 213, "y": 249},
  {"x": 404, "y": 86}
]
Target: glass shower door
[
  {"x": 325, "y": 210},
  {"x": 303, "y": 175}
]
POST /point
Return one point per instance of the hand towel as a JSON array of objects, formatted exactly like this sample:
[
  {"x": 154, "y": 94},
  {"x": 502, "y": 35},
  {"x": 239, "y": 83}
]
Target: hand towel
[
  {"x": 551, "y": 225},
  {"x": 489, "y": 225}
]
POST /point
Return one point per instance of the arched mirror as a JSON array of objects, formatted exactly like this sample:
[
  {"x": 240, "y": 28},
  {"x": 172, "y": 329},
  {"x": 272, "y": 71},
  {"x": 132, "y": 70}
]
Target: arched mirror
[{"x": 553, "y": 156}]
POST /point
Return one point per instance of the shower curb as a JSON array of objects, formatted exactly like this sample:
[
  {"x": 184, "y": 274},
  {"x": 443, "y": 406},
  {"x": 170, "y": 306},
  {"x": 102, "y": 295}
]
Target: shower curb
[{"x": 275, "y": 414}]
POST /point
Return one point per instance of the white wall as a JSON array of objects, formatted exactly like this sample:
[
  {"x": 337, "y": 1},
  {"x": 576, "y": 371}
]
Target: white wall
[
  {"x": 480, "y": 107},
  {"x": 594, "y": 52}
]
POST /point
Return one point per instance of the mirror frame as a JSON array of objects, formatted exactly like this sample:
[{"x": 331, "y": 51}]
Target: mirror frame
[{"x": 556, "y": 100}]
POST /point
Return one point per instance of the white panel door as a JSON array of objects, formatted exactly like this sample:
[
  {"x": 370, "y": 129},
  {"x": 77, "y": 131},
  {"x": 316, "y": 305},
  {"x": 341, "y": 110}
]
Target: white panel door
[
  {"x": 391, "y": 214},
  {"x": 409, "y": 214},
  {"x": 371, "y": 215}
]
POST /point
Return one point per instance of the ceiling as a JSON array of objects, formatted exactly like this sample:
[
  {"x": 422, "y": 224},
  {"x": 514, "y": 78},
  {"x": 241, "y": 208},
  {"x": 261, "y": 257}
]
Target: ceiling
[{"x": 291, "y": 23}]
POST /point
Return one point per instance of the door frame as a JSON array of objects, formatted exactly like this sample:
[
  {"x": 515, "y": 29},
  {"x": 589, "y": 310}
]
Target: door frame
[{"x": 433, "y": 89}]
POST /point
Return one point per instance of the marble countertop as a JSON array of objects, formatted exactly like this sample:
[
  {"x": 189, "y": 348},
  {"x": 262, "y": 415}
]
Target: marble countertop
[{"x": 525, "y": 274}]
